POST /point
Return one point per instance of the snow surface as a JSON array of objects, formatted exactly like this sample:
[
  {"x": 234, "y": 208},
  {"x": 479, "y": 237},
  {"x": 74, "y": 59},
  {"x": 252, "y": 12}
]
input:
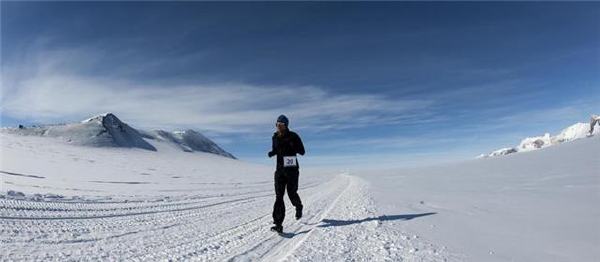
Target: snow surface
[
  {"x": 65, "y": 202},
  {"x": 539, "y": 206}
]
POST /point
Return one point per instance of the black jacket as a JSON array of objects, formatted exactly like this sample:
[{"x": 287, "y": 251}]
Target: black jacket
[{"x": 289, "y": 144}]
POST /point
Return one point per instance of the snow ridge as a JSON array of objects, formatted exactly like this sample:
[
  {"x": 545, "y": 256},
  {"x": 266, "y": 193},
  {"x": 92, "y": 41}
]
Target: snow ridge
[
  {"x": 187, "y": 140},
  {"x": 573, "y": 132}
]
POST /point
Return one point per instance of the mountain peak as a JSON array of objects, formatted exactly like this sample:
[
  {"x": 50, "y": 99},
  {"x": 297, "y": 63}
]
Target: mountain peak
[{"x": 99, "y": 117}]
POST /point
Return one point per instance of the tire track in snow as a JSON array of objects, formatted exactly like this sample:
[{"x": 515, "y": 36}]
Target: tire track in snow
[
  {"x": 136, "y": 213},
  {"x": 9, "y": 209},
  {"x": 126, "y": 236},
  {"x": 52, "y": 231}
]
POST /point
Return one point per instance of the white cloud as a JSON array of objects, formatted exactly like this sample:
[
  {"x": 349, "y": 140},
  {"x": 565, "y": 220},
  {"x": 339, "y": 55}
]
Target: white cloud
[
  {"x": 49, "y": 88},
  {"x": 391, "y": 142}
]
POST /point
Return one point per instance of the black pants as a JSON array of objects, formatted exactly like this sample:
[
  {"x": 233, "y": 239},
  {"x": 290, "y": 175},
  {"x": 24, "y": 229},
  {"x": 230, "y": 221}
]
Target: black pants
[{"x": 285, "y": 178}]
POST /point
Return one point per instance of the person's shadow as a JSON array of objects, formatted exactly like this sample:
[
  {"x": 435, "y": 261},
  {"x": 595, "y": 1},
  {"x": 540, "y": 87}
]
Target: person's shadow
[
  {"x": 293, "y": 234},
  {"x": 335, "y": 223}
]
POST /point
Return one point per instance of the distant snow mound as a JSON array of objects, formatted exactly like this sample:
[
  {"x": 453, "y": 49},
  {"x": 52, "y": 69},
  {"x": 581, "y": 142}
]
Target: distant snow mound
[
  {"x": 533, "y": 143},
  {"x": 188, "y": 140},
  {"x": 576, "y": 131},
  {"x": 502, "y": 151},
  {"x": 573, "y": 132}
]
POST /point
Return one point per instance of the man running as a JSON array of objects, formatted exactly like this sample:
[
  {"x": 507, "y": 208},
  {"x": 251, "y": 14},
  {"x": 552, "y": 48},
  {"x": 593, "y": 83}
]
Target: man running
[{"x": 286, "y": 144}]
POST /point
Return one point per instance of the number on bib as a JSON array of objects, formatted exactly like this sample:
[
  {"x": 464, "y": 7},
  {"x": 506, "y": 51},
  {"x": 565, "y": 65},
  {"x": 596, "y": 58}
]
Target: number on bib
[{"x": 289, "y": 161}]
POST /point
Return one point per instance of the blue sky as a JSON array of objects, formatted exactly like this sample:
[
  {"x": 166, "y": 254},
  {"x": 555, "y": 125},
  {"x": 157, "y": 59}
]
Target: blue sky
[{"x": 377, "y": 84}]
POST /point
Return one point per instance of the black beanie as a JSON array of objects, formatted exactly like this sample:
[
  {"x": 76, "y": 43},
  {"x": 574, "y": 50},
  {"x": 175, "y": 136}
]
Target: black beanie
[{"x": 283, "y": 119}]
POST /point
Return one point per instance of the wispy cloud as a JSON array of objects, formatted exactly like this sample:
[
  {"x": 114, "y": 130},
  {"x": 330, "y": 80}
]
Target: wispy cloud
[
  {"x": 388, "y": 143},
  {"x": 50, "y": 89}
]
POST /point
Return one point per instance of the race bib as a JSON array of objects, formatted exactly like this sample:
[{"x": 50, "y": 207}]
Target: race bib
[{"x": 289, "y": 161}]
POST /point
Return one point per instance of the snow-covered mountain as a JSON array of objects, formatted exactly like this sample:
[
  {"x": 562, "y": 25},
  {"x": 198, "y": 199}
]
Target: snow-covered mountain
[
  {"x": 107, "y": 130},
  {"x": 573, "y": 132},
  {"x": 188, "y": 140}
]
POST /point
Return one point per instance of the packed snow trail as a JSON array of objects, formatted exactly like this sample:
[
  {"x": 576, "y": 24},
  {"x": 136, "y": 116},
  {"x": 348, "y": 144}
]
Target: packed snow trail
[
  {"x": 345, "y": 228},
  {"x": 339, "y": 224}
]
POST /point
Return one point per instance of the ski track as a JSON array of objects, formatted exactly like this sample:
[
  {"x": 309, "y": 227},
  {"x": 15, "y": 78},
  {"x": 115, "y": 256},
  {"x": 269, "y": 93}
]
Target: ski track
[{"x": 231, "y": 227}]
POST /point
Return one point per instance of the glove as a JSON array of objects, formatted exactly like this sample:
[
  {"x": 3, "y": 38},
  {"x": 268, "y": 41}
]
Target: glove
[{"x": 271, "y": 153}]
